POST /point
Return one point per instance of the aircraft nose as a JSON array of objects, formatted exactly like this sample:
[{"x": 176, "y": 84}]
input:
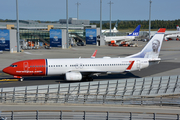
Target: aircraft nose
[{"x": 5, "y": 70}]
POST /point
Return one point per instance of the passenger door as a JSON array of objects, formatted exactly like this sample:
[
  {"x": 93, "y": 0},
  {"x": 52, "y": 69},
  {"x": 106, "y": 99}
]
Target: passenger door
[
  {"x": 138, "y": 64},
  {"x": 26, "y": 66}
]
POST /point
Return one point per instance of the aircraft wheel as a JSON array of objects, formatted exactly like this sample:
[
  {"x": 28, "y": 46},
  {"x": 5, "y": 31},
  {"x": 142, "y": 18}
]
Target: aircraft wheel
[
  {"x": 90, "y": 79},
  {"x": 21, "y": 79},
  {"x": 87, "y": 78}
]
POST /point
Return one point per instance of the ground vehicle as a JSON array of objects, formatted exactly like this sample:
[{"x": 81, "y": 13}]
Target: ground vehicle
[{"x": 80, "y": 43}]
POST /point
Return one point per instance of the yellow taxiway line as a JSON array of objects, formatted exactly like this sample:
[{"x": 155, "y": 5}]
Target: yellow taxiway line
[{"x": 9, "y": 80}]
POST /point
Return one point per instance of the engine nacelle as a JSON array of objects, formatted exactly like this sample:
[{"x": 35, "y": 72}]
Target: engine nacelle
[{"x": 73, "y": 76}]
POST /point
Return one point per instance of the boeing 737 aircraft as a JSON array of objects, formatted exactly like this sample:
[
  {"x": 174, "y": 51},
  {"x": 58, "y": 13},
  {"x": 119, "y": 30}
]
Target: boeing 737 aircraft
[
  {"x": 82, "y": 68},
  {"x": 124, "y": 38}
]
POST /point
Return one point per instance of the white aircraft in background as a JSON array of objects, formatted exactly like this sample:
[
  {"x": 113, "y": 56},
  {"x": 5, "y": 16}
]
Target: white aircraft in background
[
  {"x": 123, "y": 38},
  {"x": 77, "y": 68},
  {"x": 114, "y": 30},
  {"x": 177, "y": 26},
  {"x": 173, "y": 36}
]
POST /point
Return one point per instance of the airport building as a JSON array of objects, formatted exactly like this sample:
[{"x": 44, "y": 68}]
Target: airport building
[{"x": 38, "y": 33}]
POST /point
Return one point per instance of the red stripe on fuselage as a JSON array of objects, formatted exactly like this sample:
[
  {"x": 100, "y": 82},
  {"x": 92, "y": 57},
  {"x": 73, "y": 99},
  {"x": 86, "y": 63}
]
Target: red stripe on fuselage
[{"x": 36, "y": 67}]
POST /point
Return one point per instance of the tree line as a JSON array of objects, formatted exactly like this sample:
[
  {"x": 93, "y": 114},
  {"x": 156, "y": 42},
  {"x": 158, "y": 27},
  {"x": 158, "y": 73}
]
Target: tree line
[{"x": 155, "y": 24}]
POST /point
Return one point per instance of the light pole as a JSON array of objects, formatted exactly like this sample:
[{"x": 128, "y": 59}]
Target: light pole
[
  {"x": 67, "y": 35},
  {"x": 150, "y": 19},
  {"x": 17, "y": 20},
  {"x": 78, "y": 9},
  {"x": 110, "y": 3},
  {"x": 100, "y": 17}
]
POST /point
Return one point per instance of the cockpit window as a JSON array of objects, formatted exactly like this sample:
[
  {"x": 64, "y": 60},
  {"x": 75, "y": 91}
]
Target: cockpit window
[{"x": 13, "y": 65}]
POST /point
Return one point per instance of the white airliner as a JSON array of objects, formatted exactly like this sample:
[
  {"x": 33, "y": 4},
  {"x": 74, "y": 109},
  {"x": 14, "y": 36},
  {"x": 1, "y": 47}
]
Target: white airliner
[
  {"x": 175, "y": 36},
  {"x": 114, "y": 30},
  {"x": 177, "y": 26},
  {"x": 123, "y": 38},
  {"x": 82, "y": 68}
]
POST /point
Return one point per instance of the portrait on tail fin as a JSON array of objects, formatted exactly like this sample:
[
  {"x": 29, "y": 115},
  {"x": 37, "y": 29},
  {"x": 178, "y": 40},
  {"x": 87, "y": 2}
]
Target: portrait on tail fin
[{"x": 155, "y": 52}]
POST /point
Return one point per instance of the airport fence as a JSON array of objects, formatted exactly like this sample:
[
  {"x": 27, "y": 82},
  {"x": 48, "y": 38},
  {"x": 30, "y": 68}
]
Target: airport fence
[
  {"x": 85, "y": 115},
  {"x": 138, "y": 91}
]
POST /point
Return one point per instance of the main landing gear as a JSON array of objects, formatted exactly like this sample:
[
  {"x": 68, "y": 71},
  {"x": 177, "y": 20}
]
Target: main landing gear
[{"x": 88, "y": 78}]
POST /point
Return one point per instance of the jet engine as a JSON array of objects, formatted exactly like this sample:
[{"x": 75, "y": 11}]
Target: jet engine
[{"x": 73, "y": 76}]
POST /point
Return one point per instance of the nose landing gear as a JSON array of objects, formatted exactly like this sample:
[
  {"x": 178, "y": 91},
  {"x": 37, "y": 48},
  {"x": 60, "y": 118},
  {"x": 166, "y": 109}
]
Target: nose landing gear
[{"x": 19, "y": 77}]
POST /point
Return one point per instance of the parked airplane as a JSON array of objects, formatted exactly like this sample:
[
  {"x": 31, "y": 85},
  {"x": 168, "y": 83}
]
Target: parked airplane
[
  {"x": 114, "y": 30},
  {"x": 175, "y": 36},
  {"x": 177, "y": 26},
  {"x": 124, "y": 38},
  {"x": 76, "y": 69}
]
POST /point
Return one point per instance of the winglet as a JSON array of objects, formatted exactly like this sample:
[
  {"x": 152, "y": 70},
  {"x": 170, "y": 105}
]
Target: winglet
[
  {"x": 94, "y": 54},
  {"x": 130, "y": 66}
]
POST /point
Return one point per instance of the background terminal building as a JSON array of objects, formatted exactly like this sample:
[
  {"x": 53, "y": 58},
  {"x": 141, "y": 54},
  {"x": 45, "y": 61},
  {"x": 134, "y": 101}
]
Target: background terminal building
[{"x": 35, "y": 34}]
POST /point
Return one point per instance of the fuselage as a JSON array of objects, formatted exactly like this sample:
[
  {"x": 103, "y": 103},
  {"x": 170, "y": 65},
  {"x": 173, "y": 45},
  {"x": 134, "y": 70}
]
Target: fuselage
[
  {"x": 43, "y": 67},
  {"x": 173, "y": 36},
  {"x": 119, "y": 38}
]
